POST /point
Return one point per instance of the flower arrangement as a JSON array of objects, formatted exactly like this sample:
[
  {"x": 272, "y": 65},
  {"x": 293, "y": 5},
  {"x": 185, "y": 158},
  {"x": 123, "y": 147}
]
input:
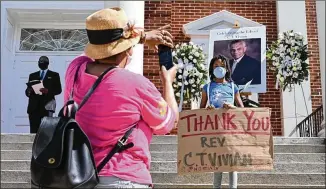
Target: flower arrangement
[
  {"x": 288, "y": 56},
  {"x": 192, "y": 72}
]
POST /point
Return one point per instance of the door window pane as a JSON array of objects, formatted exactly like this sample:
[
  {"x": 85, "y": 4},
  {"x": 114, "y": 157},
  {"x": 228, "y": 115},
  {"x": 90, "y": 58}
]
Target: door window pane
[{"x": 52, "y": 39}]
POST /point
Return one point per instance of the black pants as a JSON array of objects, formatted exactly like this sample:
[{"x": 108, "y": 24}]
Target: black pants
[{"x": 35, "y": 120}]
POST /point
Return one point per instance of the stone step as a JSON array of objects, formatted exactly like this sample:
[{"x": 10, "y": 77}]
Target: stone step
[
  {"x": 172, "y": 185},
  {"x": 245, "y": 186},
  {"x": 244, "y": 178},
  {"x": 172, "y": 156},
  {"x": 171, "y": 166},
  {"x": 205, "y": 178},
  {"x": 278, "y": 148},
  {"x": 171, "y": 139},
  {"x": 299, "y": 157},
  {"x": 278, "y": 157}
]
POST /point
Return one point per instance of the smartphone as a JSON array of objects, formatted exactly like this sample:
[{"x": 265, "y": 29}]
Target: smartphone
[{"x": 165, "y": 56}]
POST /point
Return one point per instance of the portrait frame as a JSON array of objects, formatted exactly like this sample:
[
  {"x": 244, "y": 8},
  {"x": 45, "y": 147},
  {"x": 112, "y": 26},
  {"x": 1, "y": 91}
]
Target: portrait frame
[{"x": 254, "y": 34}]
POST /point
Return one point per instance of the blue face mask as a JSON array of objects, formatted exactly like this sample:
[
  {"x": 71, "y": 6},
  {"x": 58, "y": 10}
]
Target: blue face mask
[{"x": 219, "y": 72}]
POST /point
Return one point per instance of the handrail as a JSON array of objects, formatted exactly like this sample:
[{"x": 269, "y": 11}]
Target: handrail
[{"x": 311, "y": 125}]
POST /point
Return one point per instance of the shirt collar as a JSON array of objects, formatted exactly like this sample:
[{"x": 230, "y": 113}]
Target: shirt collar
[
  {"x": 239, "y": 59},
  {"x": 45, "y": 71}
]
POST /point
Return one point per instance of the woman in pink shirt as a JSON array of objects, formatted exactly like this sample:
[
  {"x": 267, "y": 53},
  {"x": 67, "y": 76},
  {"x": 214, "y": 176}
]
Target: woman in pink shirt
[{"x": 122, "y": 98}]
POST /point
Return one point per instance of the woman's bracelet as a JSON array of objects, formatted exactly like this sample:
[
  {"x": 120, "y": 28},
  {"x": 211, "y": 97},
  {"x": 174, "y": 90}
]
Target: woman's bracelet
[{"x": 142, "y": 38}]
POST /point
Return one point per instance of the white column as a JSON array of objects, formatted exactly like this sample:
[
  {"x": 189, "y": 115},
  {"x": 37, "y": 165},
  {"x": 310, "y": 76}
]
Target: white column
[
  {"x": 4, "y": 96},
  {"x": 203, "y": 41},
  {"x": 320, "y": 9},
  {"x": 294, "y": 20},
  {"x": 135, "y": 12},
  {"x": 7, "y": 59}
]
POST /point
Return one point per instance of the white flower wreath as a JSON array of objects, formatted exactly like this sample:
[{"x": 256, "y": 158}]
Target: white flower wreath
[
  {"x": 192, "y": 72},
  {"x": 288, "y": 56}
]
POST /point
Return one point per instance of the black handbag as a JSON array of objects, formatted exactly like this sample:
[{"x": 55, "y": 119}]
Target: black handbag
[{"x": 62, "y": 155}]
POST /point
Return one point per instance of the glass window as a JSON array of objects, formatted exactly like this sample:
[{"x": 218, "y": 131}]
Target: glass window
[{"x": 52, "y": 39}]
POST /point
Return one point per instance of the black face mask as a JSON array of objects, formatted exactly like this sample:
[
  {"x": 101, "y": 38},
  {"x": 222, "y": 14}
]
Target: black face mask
[{"x": 43, "y": 65}]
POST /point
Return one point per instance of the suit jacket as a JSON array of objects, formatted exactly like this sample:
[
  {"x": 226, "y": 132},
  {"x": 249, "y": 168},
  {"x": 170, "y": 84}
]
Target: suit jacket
[
  {"x": 43, "y": 103},
  {"x": 247, "y": 69}
]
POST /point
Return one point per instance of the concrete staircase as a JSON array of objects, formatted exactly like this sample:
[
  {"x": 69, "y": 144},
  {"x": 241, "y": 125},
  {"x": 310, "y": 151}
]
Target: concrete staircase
[{"x": 299, "y": 163}]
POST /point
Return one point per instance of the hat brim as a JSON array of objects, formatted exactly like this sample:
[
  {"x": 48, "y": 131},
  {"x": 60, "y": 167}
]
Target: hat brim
[{"x": 111, "y": 49}]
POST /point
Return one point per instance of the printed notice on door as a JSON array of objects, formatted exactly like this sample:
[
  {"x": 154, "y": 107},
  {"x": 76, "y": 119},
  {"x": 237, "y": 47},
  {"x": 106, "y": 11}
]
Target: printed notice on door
[{"x": 224, "y": 140}]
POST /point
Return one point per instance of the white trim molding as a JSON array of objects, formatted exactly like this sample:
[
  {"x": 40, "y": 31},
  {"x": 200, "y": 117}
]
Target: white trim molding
[
  {"x": 220, "y": 20},
  {"x": 42, "y": 5}
]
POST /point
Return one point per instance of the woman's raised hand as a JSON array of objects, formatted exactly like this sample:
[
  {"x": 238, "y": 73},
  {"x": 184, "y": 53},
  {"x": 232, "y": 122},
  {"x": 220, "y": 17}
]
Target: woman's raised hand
[
  {"x": 167, "y": 76},
  {"x": 158, "y": 37}
]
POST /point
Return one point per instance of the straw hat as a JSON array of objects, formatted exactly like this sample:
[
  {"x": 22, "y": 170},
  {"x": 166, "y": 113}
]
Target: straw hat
[{"x": 109, "y": 33}]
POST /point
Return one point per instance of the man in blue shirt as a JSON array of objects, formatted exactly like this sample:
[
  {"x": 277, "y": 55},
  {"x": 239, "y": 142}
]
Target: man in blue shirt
[{"x": 40, "y": 105}]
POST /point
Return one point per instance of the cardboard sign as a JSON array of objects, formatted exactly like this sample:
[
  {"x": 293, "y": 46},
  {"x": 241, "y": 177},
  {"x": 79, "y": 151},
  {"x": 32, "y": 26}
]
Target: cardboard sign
[{"x": 224, "y": 140}]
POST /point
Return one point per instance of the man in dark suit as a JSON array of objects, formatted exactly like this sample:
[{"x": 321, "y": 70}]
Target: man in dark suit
[
  {"x": 44, "y": 104},
  {"x": 243, "y": 67}
]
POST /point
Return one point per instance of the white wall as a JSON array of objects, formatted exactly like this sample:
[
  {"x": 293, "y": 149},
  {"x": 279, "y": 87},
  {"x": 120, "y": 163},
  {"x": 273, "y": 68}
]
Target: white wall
[
  {"x": 321, "y": 40},
  {"x": 291, "y": 15},
  {"x": 7, "y": 59}
]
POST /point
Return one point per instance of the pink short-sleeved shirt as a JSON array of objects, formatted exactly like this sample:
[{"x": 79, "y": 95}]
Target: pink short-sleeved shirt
[{"x": 121, "y": 99}]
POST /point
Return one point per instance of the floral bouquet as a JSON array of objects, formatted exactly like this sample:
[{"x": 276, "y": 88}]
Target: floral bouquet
[
  {"x": 288, "y": 56},
  {"x": 192, "y": 72}
]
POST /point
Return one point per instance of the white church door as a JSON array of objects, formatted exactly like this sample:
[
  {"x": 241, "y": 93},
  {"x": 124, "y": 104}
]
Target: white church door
[
  {"x": 23, "y": 66},
  {"x": 61, "y": 46}
]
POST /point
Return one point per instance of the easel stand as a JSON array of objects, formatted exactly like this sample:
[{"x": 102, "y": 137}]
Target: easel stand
[
  {"x": 295, "y": 106},
  {"x": 246, "y": 94}
]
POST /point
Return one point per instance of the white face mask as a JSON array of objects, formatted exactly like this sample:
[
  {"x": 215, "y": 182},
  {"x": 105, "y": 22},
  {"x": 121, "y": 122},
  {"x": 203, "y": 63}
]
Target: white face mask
[{"x": 219, "y": 72}]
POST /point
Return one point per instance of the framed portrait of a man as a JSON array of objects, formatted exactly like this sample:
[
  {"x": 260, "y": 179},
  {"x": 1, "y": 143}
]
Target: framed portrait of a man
[{"x": 245, "y": 49}]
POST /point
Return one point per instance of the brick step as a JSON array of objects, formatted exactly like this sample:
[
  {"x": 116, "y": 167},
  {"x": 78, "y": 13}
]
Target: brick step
[
  {"x": 171, "y": 166},
  {"x": 172, "y": 156},
  {"x": 172, "y": 185},
  {"x": 205, "y": 178},
  {"x": 170, "y": 139},
  {"x": 246, "y": 186},
  {"x": 278, "y": 148}
]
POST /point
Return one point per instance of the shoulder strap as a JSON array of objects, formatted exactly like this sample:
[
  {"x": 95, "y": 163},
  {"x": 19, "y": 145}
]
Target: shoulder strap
[
  {"x": 232, "y": 84},
  {"x": 120, "y": 146},
  {"x": 208, "y": 100},
  {"x": 91, "y": 90}
]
